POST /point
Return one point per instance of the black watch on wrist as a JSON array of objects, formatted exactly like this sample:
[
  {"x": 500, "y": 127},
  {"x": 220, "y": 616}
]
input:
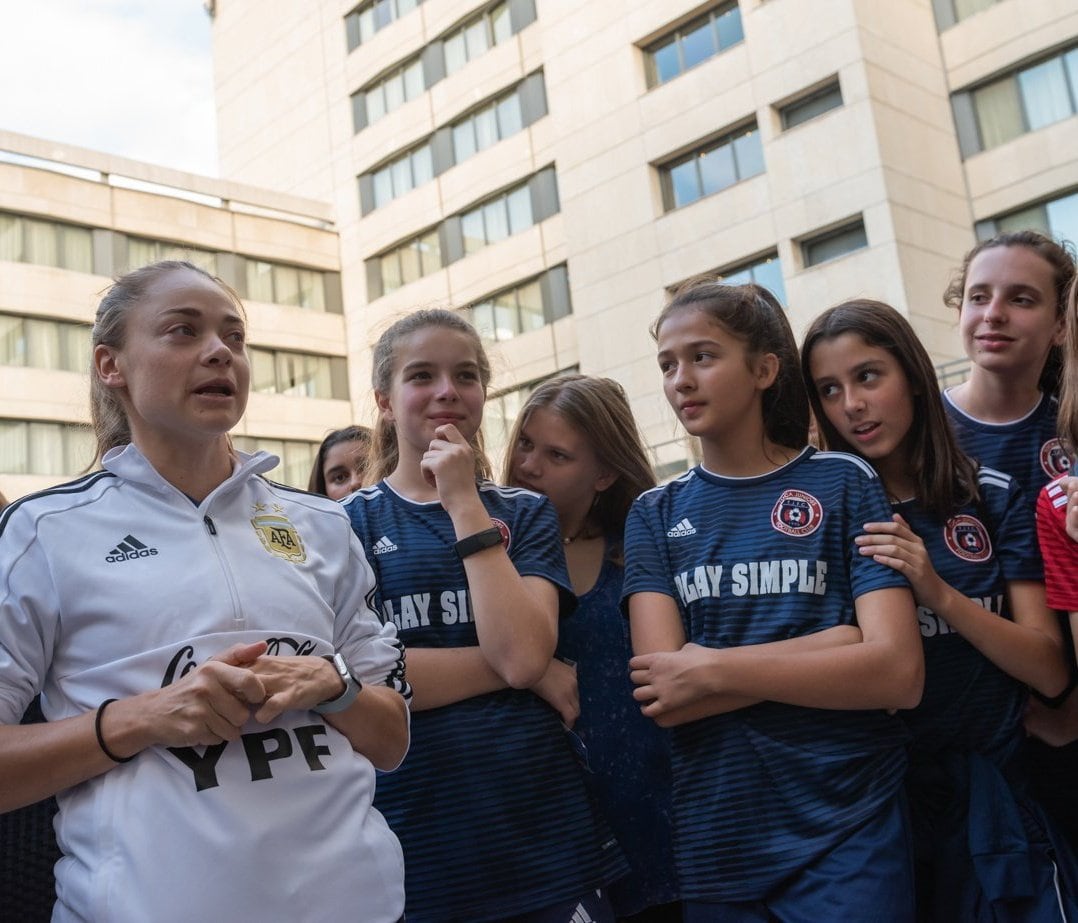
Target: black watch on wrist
[
  {"x": 478, "y": 541},
  {"x": 351, "y": 687}
]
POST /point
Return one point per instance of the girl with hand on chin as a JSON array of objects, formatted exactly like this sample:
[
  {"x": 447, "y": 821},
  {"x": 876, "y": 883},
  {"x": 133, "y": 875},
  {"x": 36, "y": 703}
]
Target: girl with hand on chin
[
  {"x": 490, "y": 805},
  {"x": 171, "y": 609},
  {"x": 964, "y": 536},
  {"x": 772, "y": 648},
  {"x": 576, "y": 443}
]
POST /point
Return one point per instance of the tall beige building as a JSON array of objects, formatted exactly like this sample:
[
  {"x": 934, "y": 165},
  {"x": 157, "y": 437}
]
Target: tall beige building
[{"x": 553, "y": 167}]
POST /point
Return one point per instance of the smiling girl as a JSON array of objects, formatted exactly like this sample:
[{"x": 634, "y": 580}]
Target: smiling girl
[
  {"x": 171, "y": 609},
  {"x": 964, "y": 537},
  {"x": 772, "y": 647},
  {"x": 490, "y": 805}
]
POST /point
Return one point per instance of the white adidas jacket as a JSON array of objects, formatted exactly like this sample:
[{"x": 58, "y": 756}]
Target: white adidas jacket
[{"x": 118, "y": 583}]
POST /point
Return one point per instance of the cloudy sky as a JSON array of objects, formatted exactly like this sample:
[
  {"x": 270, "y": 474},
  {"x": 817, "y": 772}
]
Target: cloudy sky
[{"x": 130, "y": 77}]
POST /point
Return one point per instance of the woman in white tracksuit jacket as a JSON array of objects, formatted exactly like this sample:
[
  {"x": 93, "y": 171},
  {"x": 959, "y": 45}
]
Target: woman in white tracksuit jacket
[{"x": 180, "y": 616}]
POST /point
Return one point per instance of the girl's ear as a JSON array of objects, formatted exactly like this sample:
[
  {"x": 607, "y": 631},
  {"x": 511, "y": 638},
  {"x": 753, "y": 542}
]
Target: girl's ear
[
  {"x": 1060, "y": 334},
  {"x": 605, "y": 480},
  {"x": 766, "y": 371},
  {"x": 384, "y": 406},
  {"x": 107, "y": 367}
]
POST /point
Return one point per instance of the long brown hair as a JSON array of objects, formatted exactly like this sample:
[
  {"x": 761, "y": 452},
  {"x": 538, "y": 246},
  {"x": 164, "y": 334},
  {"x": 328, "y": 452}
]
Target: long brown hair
[
  {"x": 385, "y": 453},
  {"x": 946, "y": 477},
  {"x": 1056, "y": 255},
  {"x": 316, "y": 483},
  {"x": 751, "y": 313},
  {"x": 1068, "y": 396},
  {"x": 107, "y": 414},
  {"x": 597, "y": 409}
]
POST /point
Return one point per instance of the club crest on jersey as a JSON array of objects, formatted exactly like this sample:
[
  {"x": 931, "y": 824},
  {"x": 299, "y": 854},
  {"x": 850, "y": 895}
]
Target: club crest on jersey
[
  {"x": 1054, "y": 460},
  {"x": 278, "y": 536},
  {"x": 504, "y": 529},
  {"x": 797, "y": 513},
  {"x": 968, "y": 538}
]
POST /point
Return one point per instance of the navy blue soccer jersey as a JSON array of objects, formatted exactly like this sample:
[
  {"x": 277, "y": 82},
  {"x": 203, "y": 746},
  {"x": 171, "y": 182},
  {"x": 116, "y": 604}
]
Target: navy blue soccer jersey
[
  {"x": 761, "y": 792},
  {"x": 1027, "y": 449},
  {"x": 489, "y": 805},
  {"x": 969, "y": 704}
]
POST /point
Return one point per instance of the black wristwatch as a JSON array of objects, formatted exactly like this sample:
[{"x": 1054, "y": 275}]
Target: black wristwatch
[
  {"x": 351, "y": 688},
  {"x": 470, "y": 544}
]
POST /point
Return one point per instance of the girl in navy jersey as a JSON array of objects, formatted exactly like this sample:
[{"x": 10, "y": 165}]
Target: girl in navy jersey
[
  {"x": 964, "y": 536},
  {"x": 576, "y": 442},
  {"x": 774, "y": 649},
  {"x": 1010, "y": 294},
  {"x": 490, "y": 806}
]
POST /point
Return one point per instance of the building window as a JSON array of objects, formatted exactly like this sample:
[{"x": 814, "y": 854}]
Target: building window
[
  {"x": 693, "y": 43},
  {"x": 297, "y": 458},
  {"x": 948, "y": 12},
  {"x": 763, "y": 270},
  {"x": 808, "y": 107},
  {"x": 142, "y": 251},
  {"x": 276, "y": 283},
  {"x": 823, "y": 248},
  {"x": 390, "y": 92},
  {"x": 298, "y": 374},
  {"x": 403, "y": 174},
  {"x": 1022, "y": 101},
  {"x": 62, "y": 449},
  {"x": 476, "y": 37},
  {"x": 711, "y": 168},
  {"x": 497, "y": 218},
  {"x": 44, "y": 344},
  {"x": 45, "y": 243},
  {"x": 371, "y": 17},
  {"x": 1057, "y": 217},
  {"x": 486, "y": 126},
  {"x": 530, "y": 306},
  {"x": 412, "y": 260}
]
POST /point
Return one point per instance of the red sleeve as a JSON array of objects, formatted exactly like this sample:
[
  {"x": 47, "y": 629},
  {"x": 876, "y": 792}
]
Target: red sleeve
[{"x": 1059, "y": 550}]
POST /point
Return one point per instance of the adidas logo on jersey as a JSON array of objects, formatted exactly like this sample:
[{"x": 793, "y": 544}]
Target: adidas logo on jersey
[
  {"x": 384, "y": 545},
  {"x": 130, "y": 549},
  {"x": 682, "y": 529}
]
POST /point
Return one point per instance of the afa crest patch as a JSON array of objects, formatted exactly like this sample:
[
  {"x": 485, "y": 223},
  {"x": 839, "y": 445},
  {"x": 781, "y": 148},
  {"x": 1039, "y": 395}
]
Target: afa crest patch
[
  {"x": 797, "y": 513},
  {"x": 278, "y": 536},
  {"x": 968, "y": 538},
  {"x": 1054, "y": 460}
]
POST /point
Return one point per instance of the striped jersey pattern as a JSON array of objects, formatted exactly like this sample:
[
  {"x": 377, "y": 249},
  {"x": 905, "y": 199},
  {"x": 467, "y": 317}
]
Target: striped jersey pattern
[
  {"x": 490, "y": 804},
  {"x": 1059, "y": 549},
  {"x": 1027, "y": 449},
  {"x": 761, "y": 792},
  {"x": 969, "y": 704}
]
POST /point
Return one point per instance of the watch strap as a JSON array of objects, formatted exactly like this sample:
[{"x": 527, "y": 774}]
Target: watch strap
[
  {"x": 351, "y": 687},
  {"x": 470, "y": 544}
]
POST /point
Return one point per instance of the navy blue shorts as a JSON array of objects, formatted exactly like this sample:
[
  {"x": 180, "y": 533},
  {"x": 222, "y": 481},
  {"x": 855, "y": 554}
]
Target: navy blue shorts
[{"x": 867, "y": 877}]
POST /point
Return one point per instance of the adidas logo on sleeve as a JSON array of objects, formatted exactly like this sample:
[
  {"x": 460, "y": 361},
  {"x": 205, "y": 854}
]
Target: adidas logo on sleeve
[
  {"x": 682, "y": 529},
  {"x": 130, "y": 549},
  {"x": 384, "y": 545}
]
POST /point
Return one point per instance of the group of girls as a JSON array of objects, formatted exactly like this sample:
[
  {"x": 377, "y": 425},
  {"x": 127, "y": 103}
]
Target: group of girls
[{"x": 790, "y": 684}]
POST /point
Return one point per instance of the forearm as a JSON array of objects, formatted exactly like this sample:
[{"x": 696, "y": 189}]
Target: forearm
[
  {"x": 517, "y": 631},
  {"x": 39, "y": 760},
  {"x": 376, "y": 725},
  {"x": 444, "y": 675},
  {"x": 1029, "y": 654},
  {"x": 867, "y": 675}
]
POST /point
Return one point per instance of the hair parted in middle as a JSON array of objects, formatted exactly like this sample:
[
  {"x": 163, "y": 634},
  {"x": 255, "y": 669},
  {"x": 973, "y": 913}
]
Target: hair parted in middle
[
  {"x": 946, "y": 477},
  {"x": 598, "y": 409},
  {"x": 384, "y": 453},
  {"x": 752, "y": 314},
  {"x": 316, "y": 483}
]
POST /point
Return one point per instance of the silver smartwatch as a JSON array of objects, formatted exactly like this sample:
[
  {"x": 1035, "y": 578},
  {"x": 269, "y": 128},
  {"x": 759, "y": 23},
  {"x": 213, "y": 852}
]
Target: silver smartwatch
[{"x": 351, "y": 688}]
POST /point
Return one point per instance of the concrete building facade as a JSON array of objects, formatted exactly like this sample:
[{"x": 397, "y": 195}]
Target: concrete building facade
[{"x": 553, "y": 168}]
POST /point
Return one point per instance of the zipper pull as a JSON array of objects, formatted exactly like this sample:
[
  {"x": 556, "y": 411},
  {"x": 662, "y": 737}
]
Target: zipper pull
[{"x": 209, "y": 525}]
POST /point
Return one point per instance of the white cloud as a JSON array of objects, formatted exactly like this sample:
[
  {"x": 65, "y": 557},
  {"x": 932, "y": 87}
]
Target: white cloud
[{"x": 130, "y": 77}]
